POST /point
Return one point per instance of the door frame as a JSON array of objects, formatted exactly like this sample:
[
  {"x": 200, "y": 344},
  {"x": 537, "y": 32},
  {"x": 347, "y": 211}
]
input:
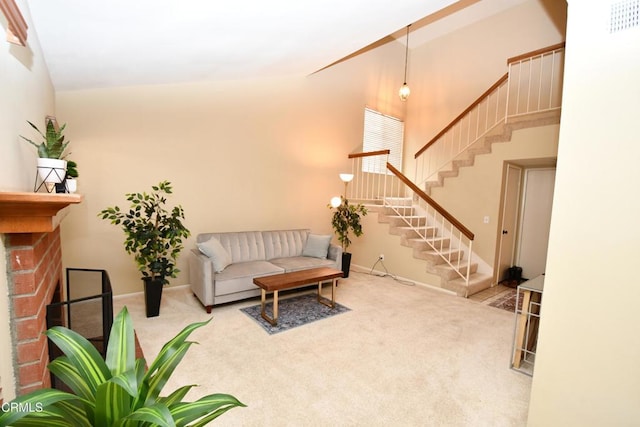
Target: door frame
[
  {"x": 524, "y": 166},
  {"x": 523, "y": 206},
  {"x": 505, "y": 199}
]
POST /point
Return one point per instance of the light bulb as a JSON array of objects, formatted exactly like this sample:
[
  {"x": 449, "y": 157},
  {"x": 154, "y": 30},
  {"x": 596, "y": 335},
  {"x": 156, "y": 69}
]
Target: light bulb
[
  {"x": 336, "y": 201},
  {"x": 404, "y": 92}
]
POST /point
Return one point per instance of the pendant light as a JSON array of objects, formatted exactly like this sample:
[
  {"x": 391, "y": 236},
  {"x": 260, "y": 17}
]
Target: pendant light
[{"x": 404, "y": 90}]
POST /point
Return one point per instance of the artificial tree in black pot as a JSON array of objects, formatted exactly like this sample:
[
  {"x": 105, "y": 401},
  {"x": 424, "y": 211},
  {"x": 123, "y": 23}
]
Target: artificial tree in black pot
[
  {"x": 346, "y": 217},
  {"x": 154, "y": 238}
]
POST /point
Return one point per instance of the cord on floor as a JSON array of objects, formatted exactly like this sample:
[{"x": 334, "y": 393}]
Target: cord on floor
[{"x": 387, "y": 274}]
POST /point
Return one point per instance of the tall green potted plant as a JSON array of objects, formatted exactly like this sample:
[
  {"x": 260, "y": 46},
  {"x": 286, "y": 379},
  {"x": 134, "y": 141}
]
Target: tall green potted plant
[
  {"x": 118, "y": 391},
  {"x": 51, "y": 163},
  {"x": 154, "y": 237},
  {"x": 346, "y": 218}
]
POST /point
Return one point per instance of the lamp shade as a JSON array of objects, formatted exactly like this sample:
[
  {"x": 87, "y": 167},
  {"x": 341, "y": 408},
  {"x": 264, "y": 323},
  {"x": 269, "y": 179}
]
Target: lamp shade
[
  {"x": 336, "y": 201},
  {"x": 346, "y": 177}
]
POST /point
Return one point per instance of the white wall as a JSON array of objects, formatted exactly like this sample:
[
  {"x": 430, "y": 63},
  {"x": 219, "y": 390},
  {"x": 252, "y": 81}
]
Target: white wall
[
  {"x": 587, "y": 371},
  {"x": 475, "y": 192},
  {"x": 26, "y": 93},
  {"x": 242, "y": 155}
]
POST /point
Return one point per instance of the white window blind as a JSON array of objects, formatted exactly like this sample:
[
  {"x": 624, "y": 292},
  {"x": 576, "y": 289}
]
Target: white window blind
[{"x": 381, "y": 133}]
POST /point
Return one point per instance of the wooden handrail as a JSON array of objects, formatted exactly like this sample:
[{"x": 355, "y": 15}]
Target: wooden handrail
[
  {"x": 424, "y": 196},
  {"x": 536, "y": 53},
  {"x": 461, "y": 115},
  {"x": 369, "y": 153}
]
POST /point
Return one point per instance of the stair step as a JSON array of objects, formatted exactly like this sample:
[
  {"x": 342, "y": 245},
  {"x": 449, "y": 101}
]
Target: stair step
[
  {"x": 424, "y": 245},
  {"x": 411, "y": 233},
  {"x": 477, "y": 283},
  {"x": 414, "y": 220},
  {"x": 449, "y": 273},
  {"x": 399, "y": 210},
  {"x": 398, "y": 201},
  {"x": 436, "y": 258}
]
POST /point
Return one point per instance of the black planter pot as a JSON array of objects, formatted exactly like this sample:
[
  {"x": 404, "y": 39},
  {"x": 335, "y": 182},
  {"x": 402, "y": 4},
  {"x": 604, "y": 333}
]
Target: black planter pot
[
  {"x": 346, "y": 264},
  {"x": 61, "y": 187},
  {"x": 152, "y": 295}
]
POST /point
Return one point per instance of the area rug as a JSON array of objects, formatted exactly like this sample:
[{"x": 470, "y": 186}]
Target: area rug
[
  {"x": 293, "y": 312},
  {"x": 507, "y": 301}
]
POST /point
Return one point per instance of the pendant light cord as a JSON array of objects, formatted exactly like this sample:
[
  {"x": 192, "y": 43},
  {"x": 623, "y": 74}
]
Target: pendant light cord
[{"x": 406, "y": 55}]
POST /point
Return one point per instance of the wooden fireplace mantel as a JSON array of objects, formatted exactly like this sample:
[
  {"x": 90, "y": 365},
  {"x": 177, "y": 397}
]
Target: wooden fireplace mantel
[{"x": 33, "y": 212}]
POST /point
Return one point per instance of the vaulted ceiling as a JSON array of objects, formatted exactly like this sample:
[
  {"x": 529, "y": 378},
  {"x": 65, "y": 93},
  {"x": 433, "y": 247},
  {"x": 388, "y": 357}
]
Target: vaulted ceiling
[{"x": 97, "y": 43}]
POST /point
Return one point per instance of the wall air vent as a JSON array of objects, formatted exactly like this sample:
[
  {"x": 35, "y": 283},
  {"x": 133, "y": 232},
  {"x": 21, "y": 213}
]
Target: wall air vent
[{"x": 624, "y": 15}]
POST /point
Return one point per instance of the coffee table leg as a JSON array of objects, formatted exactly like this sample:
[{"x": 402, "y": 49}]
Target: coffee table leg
[
  {"x": 333, "y": 294},
  {"x": 272, "y": 321}
]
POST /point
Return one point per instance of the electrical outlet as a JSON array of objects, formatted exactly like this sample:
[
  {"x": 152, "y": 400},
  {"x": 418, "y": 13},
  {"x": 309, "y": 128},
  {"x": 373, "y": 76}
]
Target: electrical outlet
[{"x": 381, "y": 257}]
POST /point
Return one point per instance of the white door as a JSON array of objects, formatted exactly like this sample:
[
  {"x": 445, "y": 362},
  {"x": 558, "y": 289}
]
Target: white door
[
  {"x": 536, "y": 219},
  {"x": 508, "y": 227}
]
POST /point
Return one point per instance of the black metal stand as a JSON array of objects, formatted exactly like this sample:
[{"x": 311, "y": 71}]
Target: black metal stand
[
  {"x": 50, "y": 182},
  {"x": 86, "y": 309}
]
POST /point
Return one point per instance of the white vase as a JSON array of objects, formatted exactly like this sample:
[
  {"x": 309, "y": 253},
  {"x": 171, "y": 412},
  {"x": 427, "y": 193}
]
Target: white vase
[
  {"x": 72, "y": 185},
  {"x": 52, "y": 170}
]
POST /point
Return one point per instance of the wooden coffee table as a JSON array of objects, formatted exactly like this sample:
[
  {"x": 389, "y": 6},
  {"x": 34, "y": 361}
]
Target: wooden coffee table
[{"x": 280, "y": 282}]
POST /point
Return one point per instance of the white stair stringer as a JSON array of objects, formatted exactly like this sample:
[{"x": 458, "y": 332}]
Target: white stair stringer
[
  {"x": 421, "y": 242},
  {"x": 502, "y": 132}
]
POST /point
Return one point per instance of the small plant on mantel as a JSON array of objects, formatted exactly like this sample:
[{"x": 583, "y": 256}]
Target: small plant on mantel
[
  {"x": 118, "y": 391},
  {"x": 153, "y": 235},
  {"x": 72, "y": 169},
  {"x": 51, "y": 152},
  {"x": 53, "y": 144}
]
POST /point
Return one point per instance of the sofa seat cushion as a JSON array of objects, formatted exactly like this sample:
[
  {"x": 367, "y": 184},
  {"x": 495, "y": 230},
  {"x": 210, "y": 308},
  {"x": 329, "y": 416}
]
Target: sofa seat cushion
[
  {"x": 296, "y": 263},
  {"x": 238, "y": 277}
]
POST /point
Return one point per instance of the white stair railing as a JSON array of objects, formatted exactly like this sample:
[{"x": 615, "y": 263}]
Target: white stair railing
[
  {"x": 488, "y": 111},
  {"x": 533, "y": 84},
  {"x": 535, "y": 81},
  {"x": 371, "y": 180},
  {"x": 377, "y": 182},
  {"x": 442, "y": 232}
]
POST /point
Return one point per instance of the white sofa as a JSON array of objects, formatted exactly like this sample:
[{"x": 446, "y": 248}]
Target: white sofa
[{"x": 223, "y": 265}]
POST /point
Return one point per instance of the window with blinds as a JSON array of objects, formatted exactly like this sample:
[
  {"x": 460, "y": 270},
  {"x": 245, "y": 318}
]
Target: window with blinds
[{"x": 381, "y": 133}]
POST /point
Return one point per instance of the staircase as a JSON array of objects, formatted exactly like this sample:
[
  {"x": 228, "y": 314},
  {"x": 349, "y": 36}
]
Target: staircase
[
  {"x": 528, "y": 95},
  {"x": 442, "y": 257}
]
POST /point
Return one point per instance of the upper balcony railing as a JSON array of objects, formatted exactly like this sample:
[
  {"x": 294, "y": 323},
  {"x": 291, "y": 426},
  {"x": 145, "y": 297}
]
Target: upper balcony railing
[
  {"x": 533, "y": 84},
  {"x": 535, "y": 81}
]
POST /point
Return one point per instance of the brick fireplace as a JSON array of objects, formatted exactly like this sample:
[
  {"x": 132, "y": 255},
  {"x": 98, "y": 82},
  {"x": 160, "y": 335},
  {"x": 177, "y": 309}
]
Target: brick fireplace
[
  {"x": 30, "y": 223},
  {"x": 35, "y": 273}
]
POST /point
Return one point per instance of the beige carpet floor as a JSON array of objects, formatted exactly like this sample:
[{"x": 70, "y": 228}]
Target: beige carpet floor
[{"x": 403, "y": 356}]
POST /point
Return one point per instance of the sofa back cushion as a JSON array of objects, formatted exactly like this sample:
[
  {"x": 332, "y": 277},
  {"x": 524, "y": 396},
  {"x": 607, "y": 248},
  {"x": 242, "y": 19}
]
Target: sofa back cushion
[
  {"x": 218, "y": 254},
  {"x": 243, "y": 246},
  {"x": 284, "y": 243}
]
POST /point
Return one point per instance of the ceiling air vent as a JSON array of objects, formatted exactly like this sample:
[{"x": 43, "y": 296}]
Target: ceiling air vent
[{"x": 624, "y": 15}]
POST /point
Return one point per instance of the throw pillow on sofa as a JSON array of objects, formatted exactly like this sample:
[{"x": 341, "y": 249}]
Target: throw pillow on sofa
[
  {"x": 317, "y": 246},
  {"x": 218, "y": 254}
]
